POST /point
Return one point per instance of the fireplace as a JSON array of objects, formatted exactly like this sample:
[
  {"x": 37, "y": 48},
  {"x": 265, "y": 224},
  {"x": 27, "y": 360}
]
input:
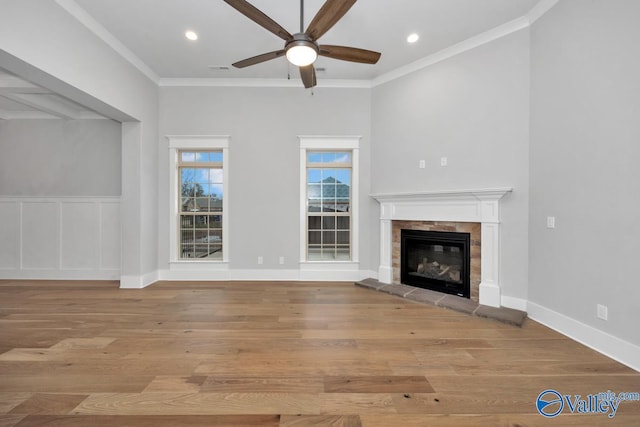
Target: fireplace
[
  {"x": 480, "y": 206},
  {"x": 436, "y": 260}
]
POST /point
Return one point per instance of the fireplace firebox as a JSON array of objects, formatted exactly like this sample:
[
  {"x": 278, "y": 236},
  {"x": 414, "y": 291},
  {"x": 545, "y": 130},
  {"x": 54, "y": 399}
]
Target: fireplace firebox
[{"x": 436, "y": 260}]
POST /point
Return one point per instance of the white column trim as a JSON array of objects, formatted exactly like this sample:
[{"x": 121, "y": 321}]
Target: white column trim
[{"x": 385, "y": 270}]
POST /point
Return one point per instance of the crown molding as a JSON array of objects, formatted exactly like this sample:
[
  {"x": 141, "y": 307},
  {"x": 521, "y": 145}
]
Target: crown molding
[
  {"x": 94, "y": 26},
  {"x": 449, "y": 52},
  {"x": 215, "y": 82},
  {"x": 540, "y": 9},
  {"x": 488, "y": 36}
]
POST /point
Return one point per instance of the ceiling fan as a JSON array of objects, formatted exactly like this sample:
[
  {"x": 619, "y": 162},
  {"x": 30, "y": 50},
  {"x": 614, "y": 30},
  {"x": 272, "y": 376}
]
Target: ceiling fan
[{"x": 302, "y": 49}]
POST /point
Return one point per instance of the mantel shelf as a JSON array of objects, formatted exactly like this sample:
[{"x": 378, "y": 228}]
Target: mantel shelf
[{"x": 469, "y": 194}]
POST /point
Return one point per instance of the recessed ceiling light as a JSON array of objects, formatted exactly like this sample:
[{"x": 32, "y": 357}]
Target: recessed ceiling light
[
  {"x": 191, "y": 35},
  {"x": 412, "y": 38}
]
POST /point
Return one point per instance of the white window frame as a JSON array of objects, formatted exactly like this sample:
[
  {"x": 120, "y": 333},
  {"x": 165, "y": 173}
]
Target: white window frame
[
  {"x": 197, "y": 142},
  {"x": 331, "y": 143}
]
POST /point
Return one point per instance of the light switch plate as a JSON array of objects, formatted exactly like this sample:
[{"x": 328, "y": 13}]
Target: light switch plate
[{"x": 551, "y": 222}]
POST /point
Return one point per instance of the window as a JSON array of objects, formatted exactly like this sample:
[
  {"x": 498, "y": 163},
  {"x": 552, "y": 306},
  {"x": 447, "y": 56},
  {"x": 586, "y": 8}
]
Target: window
[
  {"x": 201, "y": 195},
  {"x": 328, "y": 205},
  {"x": 199, "y": 199},
  {"x": 329, "y": 199}
]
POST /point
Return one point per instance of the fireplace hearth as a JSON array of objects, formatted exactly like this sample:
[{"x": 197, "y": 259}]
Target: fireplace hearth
[{"x": 436, "y": 260}]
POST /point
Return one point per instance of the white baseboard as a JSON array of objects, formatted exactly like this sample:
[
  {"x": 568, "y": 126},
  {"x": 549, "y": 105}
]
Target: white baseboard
[
  {"x": 131, "y": 282},
  {"x": 602, "y": 342},
  {"x": 57, "y": 274},
  {"x": 515, "y": 303},
  {"x": 138, "y": 282},
  {"x": 149, "y": 278},
  {"x": 304, "y": 274}
]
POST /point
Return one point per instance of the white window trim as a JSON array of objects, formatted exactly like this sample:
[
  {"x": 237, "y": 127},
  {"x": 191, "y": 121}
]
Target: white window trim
[
  {"x": 197, "y": 142},
  {"x": 331, "y": 143}
]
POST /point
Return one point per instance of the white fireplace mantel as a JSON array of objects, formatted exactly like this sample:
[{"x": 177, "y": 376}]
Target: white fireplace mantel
[{"x": 476, "y": 205}]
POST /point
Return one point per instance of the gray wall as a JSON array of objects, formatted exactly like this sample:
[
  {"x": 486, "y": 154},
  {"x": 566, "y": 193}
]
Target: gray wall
[
  {"x": 60, "y": 158},
  {"x": 474, "y": 110},
  {"x": 264, "y": 160},
  {"x": 585, "y": 147}
]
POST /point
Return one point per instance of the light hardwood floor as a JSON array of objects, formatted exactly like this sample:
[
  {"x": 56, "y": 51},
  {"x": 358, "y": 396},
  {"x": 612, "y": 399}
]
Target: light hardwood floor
[{"x": 279, "y": 354}]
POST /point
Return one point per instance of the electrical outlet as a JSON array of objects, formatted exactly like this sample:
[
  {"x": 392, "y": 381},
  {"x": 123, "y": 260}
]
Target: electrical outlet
[
  {"x": 260, "y": 260},
  {"x": 444, "y": 161},
  {"x": 422, "y": 164},
  {"x": 281, "y": 260},
  {"x": 603, "y": 312}
]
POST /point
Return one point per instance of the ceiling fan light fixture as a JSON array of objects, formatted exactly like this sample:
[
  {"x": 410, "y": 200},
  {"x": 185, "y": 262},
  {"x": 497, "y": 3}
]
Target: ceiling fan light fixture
[{"x": 302, "y": 53}]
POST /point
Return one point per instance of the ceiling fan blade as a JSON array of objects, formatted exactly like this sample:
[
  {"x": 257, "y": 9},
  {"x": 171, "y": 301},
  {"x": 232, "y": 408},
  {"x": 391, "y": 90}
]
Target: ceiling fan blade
[
  {"x": 352, "y": 54},
  {"x": 257, "y": 16},
  {"x": 308, "y": 75},
  {"x": 259, "y": 58},
  {"x": 327, "y": 16}
]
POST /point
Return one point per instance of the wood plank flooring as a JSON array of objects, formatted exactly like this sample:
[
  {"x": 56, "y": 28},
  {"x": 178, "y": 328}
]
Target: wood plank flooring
[{"x": 282, "y": 355}]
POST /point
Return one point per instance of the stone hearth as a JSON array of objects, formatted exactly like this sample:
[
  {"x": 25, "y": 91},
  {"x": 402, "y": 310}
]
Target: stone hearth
[{"x": 452, "y": 302}]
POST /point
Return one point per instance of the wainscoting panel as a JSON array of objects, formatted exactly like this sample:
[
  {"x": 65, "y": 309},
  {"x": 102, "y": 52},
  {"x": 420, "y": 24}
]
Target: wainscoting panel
[
  {"x": 9, "y": 235},
  {"x": 110, "y": 220},
  {"x": 40, "y": 235},
  {"x": 78, "y": 221},
  {"x": 60, "y": 238}
]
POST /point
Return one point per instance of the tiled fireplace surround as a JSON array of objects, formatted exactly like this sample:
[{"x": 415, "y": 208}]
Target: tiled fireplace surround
[
  {"x": 468, "y": 211},
  {"x": 473, "y": 228}
]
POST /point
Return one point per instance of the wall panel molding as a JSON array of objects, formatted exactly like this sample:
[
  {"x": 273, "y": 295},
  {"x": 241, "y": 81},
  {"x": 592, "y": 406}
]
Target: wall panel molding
[{"x": 60, "y": 238}]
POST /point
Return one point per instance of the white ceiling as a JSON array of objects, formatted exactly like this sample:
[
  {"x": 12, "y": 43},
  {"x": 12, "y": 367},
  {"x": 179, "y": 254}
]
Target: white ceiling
[
  {"x": 153, "y": 30},
  {"x": 150, "y": 34}
]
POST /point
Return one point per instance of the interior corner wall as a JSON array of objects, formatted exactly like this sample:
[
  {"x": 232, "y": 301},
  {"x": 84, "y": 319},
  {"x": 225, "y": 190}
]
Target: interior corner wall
[
  {"x": 43, "y": 43},
  {"x": 264, "y": 151},
  {"x": 473, "y": 109},
  {"x": 584, "y": 155}
]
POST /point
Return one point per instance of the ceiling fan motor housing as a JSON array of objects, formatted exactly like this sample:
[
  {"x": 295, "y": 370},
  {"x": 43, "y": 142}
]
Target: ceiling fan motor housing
[{"x": 301, "y": 50}]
